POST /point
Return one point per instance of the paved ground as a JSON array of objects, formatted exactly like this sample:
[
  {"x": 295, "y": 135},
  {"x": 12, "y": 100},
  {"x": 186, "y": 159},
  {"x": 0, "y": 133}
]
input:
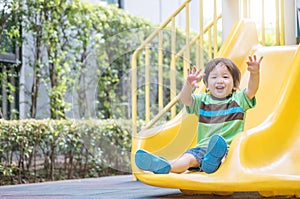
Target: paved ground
[{"x": 106, "y": 187}]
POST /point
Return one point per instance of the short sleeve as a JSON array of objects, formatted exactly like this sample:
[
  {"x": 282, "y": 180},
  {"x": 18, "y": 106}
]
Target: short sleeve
[
  {"x": 195, "y": 107},
  {"x": 243, "y": 100}
]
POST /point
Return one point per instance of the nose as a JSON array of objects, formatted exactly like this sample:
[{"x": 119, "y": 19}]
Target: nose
[{"x": 220, "y": 80}]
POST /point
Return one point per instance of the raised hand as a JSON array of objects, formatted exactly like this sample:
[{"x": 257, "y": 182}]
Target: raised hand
[
  {"x": 194, "y": 76},
  {"x": 253, "y": 64}
]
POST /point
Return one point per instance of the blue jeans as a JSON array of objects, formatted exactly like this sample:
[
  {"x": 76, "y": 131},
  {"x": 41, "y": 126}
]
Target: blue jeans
[{"x": 198, "y": 153}]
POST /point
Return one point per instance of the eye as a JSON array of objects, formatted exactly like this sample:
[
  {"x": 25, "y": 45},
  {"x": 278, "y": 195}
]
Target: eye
[{"x": 226, "y": 76}]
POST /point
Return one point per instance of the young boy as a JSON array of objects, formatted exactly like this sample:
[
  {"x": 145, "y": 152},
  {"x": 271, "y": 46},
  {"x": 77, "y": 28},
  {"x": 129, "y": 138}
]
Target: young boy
[{"x": 221, "y": 115}]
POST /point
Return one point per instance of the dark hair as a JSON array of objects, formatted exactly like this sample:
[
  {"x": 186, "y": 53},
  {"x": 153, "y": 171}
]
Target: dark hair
[{"x": 233, "y": 69}]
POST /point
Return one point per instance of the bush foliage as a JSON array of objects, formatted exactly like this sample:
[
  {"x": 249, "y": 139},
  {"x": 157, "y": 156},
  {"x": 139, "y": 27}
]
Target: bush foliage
[{"x": 43, "y": 150}]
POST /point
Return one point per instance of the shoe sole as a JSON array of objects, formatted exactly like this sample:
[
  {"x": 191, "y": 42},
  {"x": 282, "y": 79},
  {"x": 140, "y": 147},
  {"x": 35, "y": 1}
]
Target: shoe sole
[
  {"x": 149, "y": 162},
  {"x": 217, "y": 148}
]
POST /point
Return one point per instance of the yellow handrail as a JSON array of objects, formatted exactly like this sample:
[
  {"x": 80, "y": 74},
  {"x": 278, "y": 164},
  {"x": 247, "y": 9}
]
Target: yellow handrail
[
  {"x": 282, "y": 33},
  {"x": 161, "y": 27},
  {"x": 175, "y": 99},
  {"x": 134, "y": 64},
  {"x": 210, "y": 30}
]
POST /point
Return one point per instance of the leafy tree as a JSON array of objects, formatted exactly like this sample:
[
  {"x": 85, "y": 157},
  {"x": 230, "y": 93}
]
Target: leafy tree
[
  {"x": 122, "y": 34},
  {"x": 105, "y": 38},
  {"x": 48, "y": 23},
  {"x": 7, "y": 12},
  {"x": 9, "y": 43},
  {"x": 82, "y": 46}
]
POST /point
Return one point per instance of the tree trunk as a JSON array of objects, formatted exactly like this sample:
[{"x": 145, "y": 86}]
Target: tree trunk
[{"x": 36, "y": 74}]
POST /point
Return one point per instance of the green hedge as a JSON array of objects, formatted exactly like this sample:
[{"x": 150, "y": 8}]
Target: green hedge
[{"x": 43, "y": 150}]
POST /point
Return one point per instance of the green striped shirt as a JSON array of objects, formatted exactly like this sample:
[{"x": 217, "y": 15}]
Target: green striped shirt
[{"x": 225, "y": 117}]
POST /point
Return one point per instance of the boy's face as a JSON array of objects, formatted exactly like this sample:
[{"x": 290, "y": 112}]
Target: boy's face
[{"x": 220, "y": 81}]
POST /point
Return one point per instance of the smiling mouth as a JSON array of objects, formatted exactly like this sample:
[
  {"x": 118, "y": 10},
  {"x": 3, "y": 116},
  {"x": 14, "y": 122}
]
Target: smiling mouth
[{"x": 220, "y": 88}]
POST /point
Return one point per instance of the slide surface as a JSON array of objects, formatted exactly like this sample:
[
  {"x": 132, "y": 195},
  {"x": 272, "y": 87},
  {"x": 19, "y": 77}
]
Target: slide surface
[{"x": 263, "y": 158}]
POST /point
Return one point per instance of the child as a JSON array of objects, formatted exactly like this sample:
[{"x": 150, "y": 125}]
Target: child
[{"x": 221, "y": 114}]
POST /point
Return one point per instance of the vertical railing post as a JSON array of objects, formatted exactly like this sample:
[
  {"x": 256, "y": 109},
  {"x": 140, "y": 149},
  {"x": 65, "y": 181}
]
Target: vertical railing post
[
  {"x": 282, "y": 32},
  {"x": 215, "y": 29},
  {"x": 160, "y": 71},
  {"x": 173, "y": 66},
  {"x": 133, "y": 92},
  {"x": 263, "y": 32},
  {"x": 277, "y": 28},
  {"x": 147, "y": 83},
  {"x": 186, "y": 56},
  {"x": 209, "y": 41},
  {"x": 245, "y": 8},
  {"x": 187, "y": 39},
  {"x": 201, "y": 23}
]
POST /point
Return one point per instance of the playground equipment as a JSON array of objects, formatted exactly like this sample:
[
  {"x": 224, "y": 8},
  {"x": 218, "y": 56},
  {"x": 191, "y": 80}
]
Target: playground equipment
[{"x": 265, "y": 157}]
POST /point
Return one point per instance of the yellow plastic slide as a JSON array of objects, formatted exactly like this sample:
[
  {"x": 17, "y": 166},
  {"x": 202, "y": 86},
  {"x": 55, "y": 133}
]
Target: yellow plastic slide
[{"x": 266, "y": 156}]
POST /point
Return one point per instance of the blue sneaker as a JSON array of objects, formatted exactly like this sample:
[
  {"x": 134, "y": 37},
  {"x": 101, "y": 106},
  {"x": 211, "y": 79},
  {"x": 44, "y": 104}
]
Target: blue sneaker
[
  {"x": 216, "y": 150},
  {"x": 149, "y": 162}
]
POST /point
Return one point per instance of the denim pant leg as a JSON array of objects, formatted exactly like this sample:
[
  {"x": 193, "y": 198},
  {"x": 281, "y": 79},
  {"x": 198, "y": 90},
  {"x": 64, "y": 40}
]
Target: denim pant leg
[{"x": 198, "y": 153}]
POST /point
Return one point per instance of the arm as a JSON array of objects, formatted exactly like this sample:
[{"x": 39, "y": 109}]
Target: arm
[
  {"x": 193, "y": 78},
  {"x": 185, "y": 95},
  {"x": 254, "y": 69}
]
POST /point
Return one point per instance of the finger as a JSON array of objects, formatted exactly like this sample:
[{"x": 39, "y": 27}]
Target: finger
[
  {"x": 260, "y": 59},
  {"x": 194, "y": 69},
  {"x": 188, "y": 71},
  {"x": 254, "y": 57},
  {"x": 250, "y": 58}
]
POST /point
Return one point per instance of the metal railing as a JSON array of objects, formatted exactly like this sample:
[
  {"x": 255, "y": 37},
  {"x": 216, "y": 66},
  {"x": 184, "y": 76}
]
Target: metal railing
[
  {"x": 207, "y": 40},
  {"x": 184, "y": 52}
]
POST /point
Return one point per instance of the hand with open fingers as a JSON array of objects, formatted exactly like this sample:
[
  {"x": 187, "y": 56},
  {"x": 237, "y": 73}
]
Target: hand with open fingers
[
  {"x": 194, "y": 76},
  {"x": 254, "y": 64}
]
